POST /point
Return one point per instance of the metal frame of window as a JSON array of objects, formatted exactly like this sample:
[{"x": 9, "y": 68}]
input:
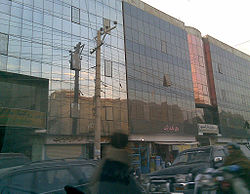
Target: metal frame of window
[
  {"x": 106, "y": 24},
  {"x": 109, "y": 116},
  {"x": 7, "y": 43},
  {"x": 108, "y": 67},
  {"x": 73, "y": 17},
  {"x": 163, "y": 46},
  {"x": 166, "y": 80},
  {"x": 220, "y": 68}
]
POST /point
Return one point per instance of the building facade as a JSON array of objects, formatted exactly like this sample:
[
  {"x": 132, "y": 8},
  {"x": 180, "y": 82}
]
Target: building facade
[
  {"x": 206, "y": 109},
  {"x": 36, "y": 37},
  {"x": 160, "y": 80},
  {"x": 161, "y": 102},
  {"x": 229, "y": 71}
]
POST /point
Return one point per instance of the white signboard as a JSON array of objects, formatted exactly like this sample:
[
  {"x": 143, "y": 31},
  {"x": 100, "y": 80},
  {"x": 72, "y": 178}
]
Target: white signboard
[
  {"x": 207, "y": 128},
  {"x": 66, "y": 140}
]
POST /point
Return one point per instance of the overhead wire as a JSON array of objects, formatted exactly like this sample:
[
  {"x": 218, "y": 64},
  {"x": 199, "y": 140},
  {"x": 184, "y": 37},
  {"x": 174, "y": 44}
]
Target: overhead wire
[{"x": 242, "y": 43}]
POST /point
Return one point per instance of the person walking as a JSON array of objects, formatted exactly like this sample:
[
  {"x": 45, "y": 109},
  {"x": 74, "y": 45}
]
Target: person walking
[{"x": 113, "y": 175}]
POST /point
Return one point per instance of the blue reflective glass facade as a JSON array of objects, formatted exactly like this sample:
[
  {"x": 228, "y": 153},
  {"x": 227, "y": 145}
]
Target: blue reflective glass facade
[
  {"x": 39, "y": 35},
  {"x": 158, "y": 50}
]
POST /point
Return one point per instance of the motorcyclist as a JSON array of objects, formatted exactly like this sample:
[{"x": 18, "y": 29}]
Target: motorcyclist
[{"x": 237, "y": 158}]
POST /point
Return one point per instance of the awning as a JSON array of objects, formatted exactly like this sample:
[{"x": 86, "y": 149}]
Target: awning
[
  {"x": 228, "y": 140},
  {"x": 177, "y": 143},
  {"x": 163, "y": 138}
]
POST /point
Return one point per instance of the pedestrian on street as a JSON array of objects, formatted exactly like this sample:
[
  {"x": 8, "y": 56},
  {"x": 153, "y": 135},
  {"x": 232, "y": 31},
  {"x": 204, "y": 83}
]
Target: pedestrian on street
[{"x": 113, "y": 175}]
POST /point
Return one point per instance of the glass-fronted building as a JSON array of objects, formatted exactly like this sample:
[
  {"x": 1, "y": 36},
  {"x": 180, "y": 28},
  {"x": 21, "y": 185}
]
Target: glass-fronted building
[
  {"x": 157, "y": 83},
  {"x": 229, "y": 71},
  {"x": 36, "y": 37},
  {"x": 199, "y": 72},
  {"x": 160, "y": 88},
  {"x": 161, "y": 102},
  {"x": 206, "y": 110}
]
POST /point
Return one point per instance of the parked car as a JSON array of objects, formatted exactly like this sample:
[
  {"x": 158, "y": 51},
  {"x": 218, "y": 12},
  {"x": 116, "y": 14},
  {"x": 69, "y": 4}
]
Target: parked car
[
  {"x": 179, "y": 178},
  {"x": 49, "y": 176},
  {"x": 8, "y": 160}
]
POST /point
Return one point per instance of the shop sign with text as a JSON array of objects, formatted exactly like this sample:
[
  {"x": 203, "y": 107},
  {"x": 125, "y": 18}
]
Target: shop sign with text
[
  {"x": 171, "y": 129},
  {"x": 14, "y": 117}
]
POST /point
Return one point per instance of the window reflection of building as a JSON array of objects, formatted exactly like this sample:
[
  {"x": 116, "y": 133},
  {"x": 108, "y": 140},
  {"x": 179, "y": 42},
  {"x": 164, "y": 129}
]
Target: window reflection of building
[
  {"x": 114, "y": 114},
  {"x": 23, "y": 110}
]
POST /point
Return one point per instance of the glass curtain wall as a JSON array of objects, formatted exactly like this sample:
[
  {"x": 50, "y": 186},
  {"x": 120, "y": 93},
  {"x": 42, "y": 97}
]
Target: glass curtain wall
[
  {"x": 232, "y": 85},
  {"x": 37, "y": 36},
  {"x": 199, "y": 72},
  {"x": 160, "y": 89}
]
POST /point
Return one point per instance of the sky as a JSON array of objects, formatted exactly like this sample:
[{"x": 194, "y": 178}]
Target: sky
[{"x": 225, "y": 20}]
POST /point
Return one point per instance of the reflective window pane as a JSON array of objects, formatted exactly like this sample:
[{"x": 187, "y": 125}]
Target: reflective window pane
[
  {"x": 75, "y": 14},
  {"x": 4, "y": 39}
]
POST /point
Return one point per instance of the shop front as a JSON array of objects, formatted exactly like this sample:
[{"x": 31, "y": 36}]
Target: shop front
[
  {"x": 151, "y": 153},
  {"x": 18, "y": 131},
  {"x": 67, "y": 146}
]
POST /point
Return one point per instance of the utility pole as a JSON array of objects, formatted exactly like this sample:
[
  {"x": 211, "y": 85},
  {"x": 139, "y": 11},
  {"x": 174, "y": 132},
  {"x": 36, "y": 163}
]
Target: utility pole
[
  {"x": 75, "y": 64},
  {"x": 97, "y": 98}
]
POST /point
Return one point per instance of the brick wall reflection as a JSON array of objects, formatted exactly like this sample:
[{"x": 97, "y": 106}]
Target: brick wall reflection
[{"x": 114, "y": 114}]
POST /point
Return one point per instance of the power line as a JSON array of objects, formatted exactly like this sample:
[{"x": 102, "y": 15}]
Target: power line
[{"x": 242, "y": 43}]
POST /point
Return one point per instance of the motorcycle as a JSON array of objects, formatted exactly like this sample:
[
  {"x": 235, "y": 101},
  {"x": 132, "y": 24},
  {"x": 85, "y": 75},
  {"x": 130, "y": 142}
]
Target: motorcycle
[{"x": 220, "y": 181}]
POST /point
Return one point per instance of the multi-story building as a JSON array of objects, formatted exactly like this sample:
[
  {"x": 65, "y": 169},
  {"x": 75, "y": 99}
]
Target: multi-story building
[
  {"x": 159, "y": 79},
  {"x": 206, "y": 109},
  {"x": 221, "y": 89},
  {"x": 160, "y": 90},
  {"x": 228, "y": 72},
  {"x": 36, "y": 37}
]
